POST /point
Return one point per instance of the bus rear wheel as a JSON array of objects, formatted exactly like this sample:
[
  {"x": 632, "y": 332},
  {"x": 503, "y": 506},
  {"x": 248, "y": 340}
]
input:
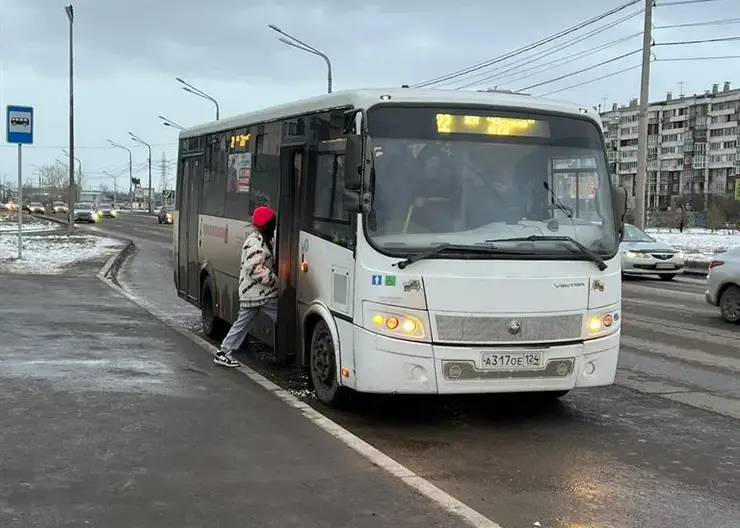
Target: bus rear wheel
[
  {"x": 213, "y": 326},
  {"x": 323, "y": 367}
]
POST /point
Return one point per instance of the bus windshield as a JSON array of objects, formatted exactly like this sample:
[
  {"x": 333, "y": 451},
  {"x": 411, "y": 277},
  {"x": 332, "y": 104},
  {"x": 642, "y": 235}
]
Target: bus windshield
[{"x": 468, "y": 176}]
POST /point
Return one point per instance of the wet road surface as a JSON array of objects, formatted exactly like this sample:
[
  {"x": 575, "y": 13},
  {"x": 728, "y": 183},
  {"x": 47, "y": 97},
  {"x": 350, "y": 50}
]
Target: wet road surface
[
  {"x": 110, "y": 419},
  {"x": 660, "y": 449}
]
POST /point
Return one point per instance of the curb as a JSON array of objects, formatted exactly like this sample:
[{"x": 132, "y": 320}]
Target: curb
[
  {"x": 109, "y": 271},
  {"x": 445, "y": 501}
]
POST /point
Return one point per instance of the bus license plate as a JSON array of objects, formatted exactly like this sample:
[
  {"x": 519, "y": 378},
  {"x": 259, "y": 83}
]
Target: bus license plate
[
  {"x": 662, "y": 265},
  {"x": 511, "y": 360}
]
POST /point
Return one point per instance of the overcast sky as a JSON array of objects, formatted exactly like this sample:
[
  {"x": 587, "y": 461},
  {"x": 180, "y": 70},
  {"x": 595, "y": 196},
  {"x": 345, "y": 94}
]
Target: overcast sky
[{"x": 128, "y": 53}]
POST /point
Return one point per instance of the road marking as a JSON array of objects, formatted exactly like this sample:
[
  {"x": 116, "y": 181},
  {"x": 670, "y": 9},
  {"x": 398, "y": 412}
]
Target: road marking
[
  {"x": 723, "y": 405},
  {"x": 446, "y": 501},
  {"x": 683, "y": 330},
  {"x": 684, "y": 354}
]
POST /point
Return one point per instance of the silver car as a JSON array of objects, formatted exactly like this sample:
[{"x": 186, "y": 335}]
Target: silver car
[
  {"x": 643, "y": 255},
  {"x": 723, "y": 284}
]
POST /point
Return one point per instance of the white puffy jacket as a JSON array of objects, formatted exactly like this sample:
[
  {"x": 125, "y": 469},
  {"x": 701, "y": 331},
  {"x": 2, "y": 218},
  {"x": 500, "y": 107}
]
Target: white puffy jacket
[{"x": 257, "y": 280}]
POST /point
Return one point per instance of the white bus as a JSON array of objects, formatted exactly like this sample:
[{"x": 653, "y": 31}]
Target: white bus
[{"x": 428, "y": 241}]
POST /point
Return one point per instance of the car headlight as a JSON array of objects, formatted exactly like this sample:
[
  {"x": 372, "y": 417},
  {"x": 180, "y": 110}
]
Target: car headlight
[
  {"x": 603, "y": 322},
  {"x": 636, "y": 255},
  {"x": 401, "y": 323}
]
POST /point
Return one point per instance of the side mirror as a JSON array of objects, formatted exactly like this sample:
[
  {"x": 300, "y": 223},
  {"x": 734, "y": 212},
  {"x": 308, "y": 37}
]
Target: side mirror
[
  {"x": 353, "y": 163},
  {"x": 619, "y": 205}
]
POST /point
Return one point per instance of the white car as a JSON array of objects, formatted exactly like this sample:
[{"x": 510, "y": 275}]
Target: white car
[
  {"x": 36, "y": 208},
  {"x": 59, "y": 207},
  {"x": 643, "y": 255},
  {"x": 723, "y": 284}
]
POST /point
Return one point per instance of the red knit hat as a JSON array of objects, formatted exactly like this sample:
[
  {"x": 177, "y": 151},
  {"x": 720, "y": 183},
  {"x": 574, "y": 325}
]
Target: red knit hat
[{"x": 262, "y": 215}]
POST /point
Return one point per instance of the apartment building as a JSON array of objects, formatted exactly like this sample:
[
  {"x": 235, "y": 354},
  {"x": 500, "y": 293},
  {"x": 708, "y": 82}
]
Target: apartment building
[{"x": 692, "y": 146}]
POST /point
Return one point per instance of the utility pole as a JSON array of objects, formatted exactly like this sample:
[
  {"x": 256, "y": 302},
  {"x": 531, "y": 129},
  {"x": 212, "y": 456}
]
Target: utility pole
[
  {"x": 163, "y": 175},
  {"x": 72, "y": 194},
  {"x": 642, "y": 140}
]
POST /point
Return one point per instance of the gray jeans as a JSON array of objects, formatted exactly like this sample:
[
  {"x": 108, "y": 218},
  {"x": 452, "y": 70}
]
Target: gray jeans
[{"x": 243, "y": 324}]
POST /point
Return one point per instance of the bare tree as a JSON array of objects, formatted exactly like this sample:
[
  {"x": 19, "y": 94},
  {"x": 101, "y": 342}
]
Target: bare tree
[
  {"x": 54, "y": 177},
  {"x": 715, "y": 217}
]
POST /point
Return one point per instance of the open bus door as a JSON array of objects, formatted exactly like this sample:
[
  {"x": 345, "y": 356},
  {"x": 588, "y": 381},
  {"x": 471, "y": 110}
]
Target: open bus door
[
  {"x": 188, "y": 227},
  {"x": 292, "y": 167}
]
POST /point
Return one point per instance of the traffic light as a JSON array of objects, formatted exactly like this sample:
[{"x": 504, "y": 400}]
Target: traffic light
[{"x": 136, "y": 181}]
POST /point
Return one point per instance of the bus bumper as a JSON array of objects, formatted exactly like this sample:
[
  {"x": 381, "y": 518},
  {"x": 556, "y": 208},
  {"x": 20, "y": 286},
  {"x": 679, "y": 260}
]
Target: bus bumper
[{"x": 387, "y": 365}]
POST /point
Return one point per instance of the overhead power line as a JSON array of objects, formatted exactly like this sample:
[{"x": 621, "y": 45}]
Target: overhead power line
[
  {"x": 603, "y": 63},
  {"x": 619, "y": 72},
  {"x": 613, "y": 74},
  {"x": 87, "y": 147},
  {"x": 683, "y": 2},
  {"x": 540, "y": 55},
  {"x": 541, "y": 68},
  {"x": 685, "y": 42},
  {"x": 524, "y": 49},
  {"x": 696, "y": 24},
  {"x": 716, "y": 57}
]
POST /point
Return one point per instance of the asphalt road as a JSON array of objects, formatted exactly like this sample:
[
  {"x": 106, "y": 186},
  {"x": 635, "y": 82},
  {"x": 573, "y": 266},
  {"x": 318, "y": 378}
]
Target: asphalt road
[{"x": 658, "y": 449}]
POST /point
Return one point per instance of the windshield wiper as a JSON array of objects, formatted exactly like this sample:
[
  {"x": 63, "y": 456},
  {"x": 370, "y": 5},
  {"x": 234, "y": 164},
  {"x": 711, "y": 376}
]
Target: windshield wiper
[
  {"x": 594, "y": 257},
  {"x": 416, "y": 257}
]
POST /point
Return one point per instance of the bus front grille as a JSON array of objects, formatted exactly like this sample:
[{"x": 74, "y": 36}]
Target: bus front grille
[{"x": 482, "y": 329}]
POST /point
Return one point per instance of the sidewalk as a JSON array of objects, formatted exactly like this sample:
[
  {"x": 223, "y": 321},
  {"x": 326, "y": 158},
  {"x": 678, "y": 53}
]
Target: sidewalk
[{"x": 110, "y": 419}]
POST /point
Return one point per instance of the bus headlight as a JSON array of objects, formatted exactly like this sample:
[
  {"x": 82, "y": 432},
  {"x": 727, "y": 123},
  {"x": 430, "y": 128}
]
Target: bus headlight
[
  {"x": 603, "y": 323},
  {"x": 400, "y": 323}
]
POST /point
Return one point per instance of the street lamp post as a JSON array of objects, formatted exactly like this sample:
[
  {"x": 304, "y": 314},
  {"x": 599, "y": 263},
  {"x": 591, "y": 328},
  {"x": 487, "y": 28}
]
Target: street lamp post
[
  {"x": 130, "y": 171},
  {"x": 170, "y": 123},
  {"x": 294, "y": 42},
  {"x": 71, "y": 198},
  {"x": 115, "y": 188},
  {"x": 79, "y": 172},
  {"x": 149, "y": 147},
  {"x": 200, "y": 93}
]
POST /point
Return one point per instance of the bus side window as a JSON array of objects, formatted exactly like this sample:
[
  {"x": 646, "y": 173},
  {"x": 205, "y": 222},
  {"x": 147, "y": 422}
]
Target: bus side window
[
  {"x": 238, "y": 174},
  {"x": 329, "y": 220},
  {"x": 214, "y": 185}
]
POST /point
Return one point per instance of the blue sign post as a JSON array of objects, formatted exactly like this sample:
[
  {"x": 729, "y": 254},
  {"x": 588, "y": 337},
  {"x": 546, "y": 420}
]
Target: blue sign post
[{"x": 20, "y": 131}]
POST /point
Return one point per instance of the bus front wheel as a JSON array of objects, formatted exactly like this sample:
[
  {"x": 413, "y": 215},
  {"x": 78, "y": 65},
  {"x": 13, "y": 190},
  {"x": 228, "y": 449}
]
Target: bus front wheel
[{"x": 323, "y": 367}]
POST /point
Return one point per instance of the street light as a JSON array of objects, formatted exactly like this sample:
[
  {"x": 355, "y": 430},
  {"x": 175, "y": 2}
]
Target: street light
[
  {"x": 115, "y": 188},
  {"x": 294, "y": 42},
  {"x": 200, "y": 93},
  {"x": 148, "y": 146},
  {"x": 130, "y": 170},
  {"x": 170, "y": 123},
  {"x": 71, "y": 198},
  {"x": 79, "y": 170}
]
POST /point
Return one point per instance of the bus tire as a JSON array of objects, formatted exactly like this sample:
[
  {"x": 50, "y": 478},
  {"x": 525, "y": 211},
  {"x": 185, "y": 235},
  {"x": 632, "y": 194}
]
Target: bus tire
[
  {"x": 323, "y": 367},
  {"x": 213, "y": 326}
]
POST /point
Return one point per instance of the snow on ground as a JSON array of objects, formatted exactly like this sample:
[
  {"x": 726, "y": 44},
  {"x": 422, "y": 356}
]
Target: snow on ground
[
  {"x": 699, "y": 245},
  {"x": 31, "y": 224},
  {"x": 52, "y": 254}
]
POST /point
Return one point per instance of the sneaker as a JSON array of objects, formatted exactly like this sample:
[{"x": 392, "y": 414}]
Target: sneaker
[{"x": 225, "y": 360}]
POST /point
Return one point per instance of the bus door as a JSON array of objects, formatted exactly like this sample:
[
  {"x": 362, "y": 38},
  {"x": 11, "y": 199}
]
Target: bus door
[
  {"x": 188, "y": 226},
  {"x": 292, "y": 167}
]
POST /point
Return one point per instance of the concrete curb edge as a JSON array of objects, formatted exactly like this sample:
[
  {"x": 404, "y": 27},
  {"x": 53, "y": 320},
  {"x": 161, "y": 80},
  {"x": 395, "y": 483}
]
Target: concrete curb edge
[{"x": 446, "y": 501}]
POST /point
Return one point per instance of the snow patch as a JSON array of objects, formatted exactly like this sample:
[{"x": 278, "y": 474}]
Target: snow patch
[
  {"x": 699, "y": 245},
  {"x": 31, "y": 224},
  {"x": 52, "y": 254}
]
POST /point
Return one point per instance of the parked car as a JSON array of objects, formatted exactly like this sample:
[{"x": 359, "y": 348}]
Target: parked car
[
  {"x": 723, "y": 285},
  {"x": 59, "y": 207},
  {"x": 36, "y": 208},
  {"x": 106, "y": 210},
  {"x": 85, "y": 213},
  {"x": 643, "y": 255},
  {"x": 164, "y": 216}
]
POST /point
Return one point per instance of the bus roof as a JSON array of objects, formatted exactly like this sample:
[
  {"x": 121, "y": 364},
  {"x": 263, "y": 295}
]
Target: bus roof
[{"x": 365, "y": 98}]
